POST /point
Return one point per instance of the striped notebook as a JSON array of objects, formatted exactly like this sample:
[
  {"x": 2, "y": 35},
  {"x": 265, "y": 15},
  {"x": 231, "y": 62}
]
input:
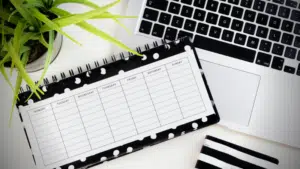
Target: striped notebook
[{"x": 217, "y": 153}]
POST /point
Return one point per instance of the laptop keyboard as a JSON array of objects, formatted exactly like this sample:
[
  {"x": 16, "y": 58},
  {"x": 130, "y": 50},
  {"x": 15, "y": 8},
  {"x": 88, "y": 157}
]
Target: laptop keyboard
[{"x": 264, "y": 32}]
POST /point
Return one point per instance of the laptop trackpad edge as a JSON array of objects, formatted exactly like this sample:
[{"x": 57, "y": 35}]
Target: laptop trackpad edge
[{"x": 234, "y": 92}]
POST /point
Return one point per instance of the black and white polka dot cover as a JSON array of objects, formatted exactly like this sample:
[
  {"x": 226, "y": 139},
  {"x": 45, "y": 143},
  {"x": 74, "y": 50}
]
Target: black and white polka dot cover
[
  {"x": 118, "y": 108},
  {"x": 220, "y": 154}
]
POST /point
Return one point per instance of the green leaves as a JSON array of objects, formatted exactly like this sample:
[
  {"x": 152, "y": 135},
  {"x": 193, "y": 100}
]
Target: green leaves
[
  {"x": 48, "y": 23},
  {"x": 6, "y": 16},
  {"x": 48, "y": 59},
  {"x": 34, "y": 3},
  {"x": 49, "y": 56},
  {"x": 43, "y": 41},
  {"x": 29, "y": 36},
  {"x": 5, "y": 59},
  {"x": 18, "y": 85},
  {"x": 104, "y": 15},
  {"x": 6, "y": 29},
  {"x": 84, "y": 2},
  {"x": 17, "y": 36},
  {"x": 2, "y": 26},
  {"x": 16, "y": 59},
  {"x": 24, "y": 12},
  {"x": 16, "y": 41},
  {"x": 90, "y": 28},
  {"x": 105, "y": 36},
  {"x": 74, "y": 19},
  {"x": 6, "y": 78},
  {"x": 25, "y": 22}
]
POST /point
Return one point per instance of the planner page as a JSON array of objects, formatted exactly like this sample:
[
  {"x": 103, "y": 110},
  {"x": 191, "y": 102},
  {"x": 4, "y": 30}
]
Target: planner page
[{"x": 118, "y": 110}]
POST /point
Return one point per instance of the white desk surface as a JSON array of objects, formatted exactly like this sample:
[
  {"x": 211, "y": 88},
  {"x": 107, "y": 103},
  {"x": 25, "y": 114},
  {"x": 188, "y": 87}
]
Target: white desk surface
[{"x": 179, "y": 153}]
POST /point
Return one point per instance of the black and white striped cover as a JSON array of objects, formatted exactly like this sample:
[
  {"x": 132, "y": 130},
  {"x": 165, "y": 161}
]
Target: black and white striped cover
[{"x": 217, "y": 153}]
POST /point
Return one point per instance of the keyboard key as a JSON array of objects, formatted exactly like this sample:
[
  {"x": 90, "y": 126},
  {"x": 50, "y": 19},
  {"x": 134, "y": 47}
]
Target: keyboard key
[
  {"x": 249, "y": 16},
  {"x": 150, "y": 14},
  {"x": 187, "y": 1},
  {"x": 274, "y": 22},
  {"x": 279, "y": 1},
  {"x": 291, "y": 3},
  {"x": 295, "y": 16},
  {"x": 277, "y": 49},
  {"x": 289, "y": 69},
  {"x": 262, "y": 19},
  {"x": 199, "y": 3},
  {"x": 212, "y": 5},
  {"x": 158, "y": 4},
  {"x": 298, "y": 70},
  {"x": 287, "y": 39},
  {"x": 174, "y": 8},
  {"x": 171, "y": 34},
  {"x": 274, "y": 35},
  {"x": 240, "y": 39},
  {"x": 284, "y": 12},
  {"x": 145, "y": 27},
  {"x": 298, "y": 56},
  {"x": 199, "y": 15},
  {"x": 253, "y": 42},
  {"x": 263, "y": 59},
  {"x": 158, "y": 30},
  {"x": 183, "y": 34},
  {"x": 212, "y": 18},
  {"x": 177, "y": 22},
  {"x": 224, "y": 21},
  {"x": 272, "y": 9},
  {"x": 249, "y": 28},
  {"x": 236, "y": 2},
  {"x": 246, "y": 3},
  {"x": 187, "y": 11},
  {"x": 190, "y": 25},
  {"x": 224, "y": 9},
  {"x": 215, "y": 32},
  {"x": 297, "y": 29},
  {"x": 202, "y": 28},
  {"x": 290, "y": 52},
  {"x": 224, "y": 48},
  {"x": 262, "y": 32},
  {"x": 237, "y": 25},
  {"x": 297, "y": 42},
  {"x": 277, "y": 63},
  {"x": 259, "y": 5},
  {"x": 164, "y": 18},
  {"x": 265, "y": 46},
  {"x": 237, "y": 12},
  {"x": 227, "y": 35},
  {"x": 287, "y": 26}
]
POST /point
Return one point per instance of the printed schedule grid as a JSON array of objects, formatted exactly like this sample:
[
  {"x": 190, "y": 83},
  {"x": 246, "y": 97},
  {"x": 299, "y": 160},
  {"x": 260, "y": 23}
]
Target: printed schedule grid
[{"x": 116, "y": 111}]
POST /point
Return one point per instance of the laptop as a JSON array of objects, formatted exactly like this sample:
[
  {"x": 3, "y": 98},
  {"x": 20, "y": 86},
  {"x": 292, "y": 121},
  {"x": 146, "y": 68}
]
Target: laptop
[{"x": 249, "y": 50}]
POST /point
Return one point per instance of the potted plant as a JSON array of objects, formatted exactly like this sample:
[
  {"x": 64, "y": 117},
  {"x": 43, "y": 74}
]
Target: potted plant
[{"x": 31, "y": 33}]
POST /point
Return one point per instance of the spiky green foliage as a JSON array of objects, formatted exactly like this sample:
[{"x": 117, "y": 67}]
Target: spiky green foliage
[{"x": 25, "y": 21}]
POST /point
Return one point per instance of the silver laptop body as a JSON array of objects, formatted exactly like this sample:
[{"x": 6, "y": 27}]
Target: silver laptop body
[{"x": 250, "y": 98}]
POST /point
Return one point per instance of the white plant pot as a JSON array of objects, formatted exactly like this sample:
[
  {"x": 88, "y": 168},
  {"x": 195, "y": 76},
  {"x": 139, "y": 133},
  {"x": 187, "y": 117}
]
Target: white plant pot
[{"x": 40, "y": 62}]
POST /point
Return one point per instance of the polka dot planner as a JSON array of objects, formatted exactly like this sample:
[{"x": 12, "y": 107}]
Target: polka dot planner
[
  {"x": 217, "y": 154},
  {"x": 117, "y": 108}
]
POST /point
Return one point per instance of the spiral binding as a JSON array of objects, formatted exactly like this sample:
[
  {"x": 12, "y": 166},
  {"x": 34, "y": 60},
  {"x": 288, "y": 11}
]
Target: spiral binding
[{"x": 96, "y": 64}]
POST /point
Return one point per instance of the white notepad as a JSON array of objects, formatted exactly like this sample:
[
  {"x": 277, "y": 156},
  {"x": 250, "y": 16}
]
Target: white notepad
[{"x": 117, "y": 110}]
